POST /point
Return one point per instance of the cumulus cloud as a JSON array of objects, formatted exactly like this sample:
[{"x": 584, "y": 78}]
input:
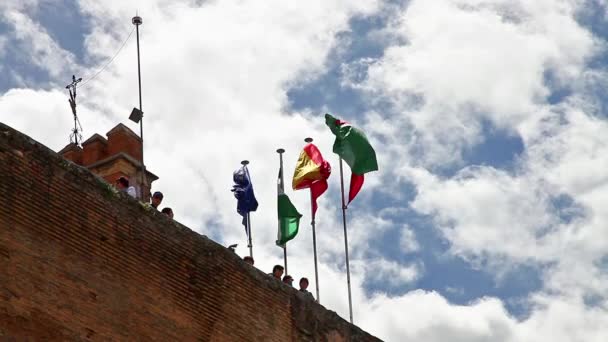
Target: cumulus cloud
[
  {"x": 465, "y": 63},
  {"x": 408, "y": 241},
  {"x": 390, "y": 273},
  {"x": 483, "y": 210},
  {"x": 215, "y": 81},
  {"x": 3, "y": 42},
  {"x": 36, "y": 45}
]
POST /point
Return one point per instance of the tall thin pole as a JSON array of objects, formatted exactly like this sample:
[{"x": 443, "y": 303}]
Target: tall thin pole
[
  {"x": 285, "y": 258},
  {"x": 314, "y": 247},
  {"x": 138, "y": 21},
  {"x": 350, "y": 300},
  {"x": 249, "y": 243},
  {"x": 281, "y": 190},
  {"x": 314, "y": 237}
]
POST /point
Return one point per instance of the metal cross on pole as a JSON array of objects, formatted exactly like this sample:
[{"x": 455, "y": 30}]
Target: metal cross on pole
[{"x": 77, "y": 127}]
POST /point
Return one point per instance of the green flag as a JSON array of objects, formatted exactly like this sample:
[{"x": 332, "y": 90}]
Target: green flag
[
  {"x": 352, "y": 146},
  {"x": 289, "y": 217},
  {"x": 289, "y": 220}
]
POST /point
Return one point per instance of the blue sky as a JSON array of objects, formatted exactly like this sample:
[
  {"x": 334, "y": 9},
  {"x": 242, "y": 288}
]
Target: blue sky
[
  {"x": 443, "y": 273},
  {"x": 487, "y": 116}
]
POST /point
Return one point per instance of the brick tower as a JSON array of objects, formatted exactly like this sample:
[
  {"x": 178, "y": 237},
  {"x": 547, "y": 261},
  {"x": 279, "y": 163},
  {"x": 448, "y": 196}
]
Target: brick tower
[{"x": 118, "y": 155}]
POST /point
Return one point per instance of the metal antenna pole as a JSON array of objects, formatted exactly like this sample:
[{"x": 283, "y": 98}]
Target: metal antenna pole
[
  {"x": 314, "y": 238},
  {"x": 72, "y": 89},
  {"x": 350, "y": 301},
  {"x": 138, "y": 21},
  {"x": 250, "y": 244},
  {"x": 281, "y": 190}
]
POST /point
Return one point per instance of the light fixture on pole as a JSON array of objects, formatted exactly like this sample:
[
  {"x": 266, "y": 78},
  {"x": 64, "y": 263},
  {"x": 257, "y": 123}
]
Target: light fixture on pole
[{"x": 136, "y": 115}]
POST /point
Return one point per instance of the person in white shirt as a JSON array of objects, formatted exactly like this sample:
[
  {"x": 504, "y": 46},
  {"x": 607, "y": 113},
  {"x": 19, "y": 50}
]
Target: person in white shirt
[{"x": 123, "y": 185}]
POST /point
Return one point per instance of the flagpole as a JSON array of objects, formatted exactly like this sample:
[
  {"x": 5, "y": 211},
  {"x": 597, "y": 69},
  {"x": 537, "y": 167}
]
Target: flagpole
[
  {"x": 280, "y": 151},
  {"x": 314, "y": 237},
  {"x": 314, "y": 248},
  {"x": 285, "y": 258},
  {"x": 250, "y": 244},
  {"x": 350, "y": 301}
]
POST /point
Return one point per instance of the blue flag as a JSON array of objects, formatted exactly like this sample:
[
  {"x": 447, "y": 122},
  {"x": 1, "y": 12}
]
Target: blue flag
[{"x": 243, "y": 191}]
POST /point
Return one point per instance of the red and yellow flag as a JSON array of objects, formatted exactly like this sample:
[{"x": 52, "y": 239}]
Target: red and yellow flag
[{"x": 311, "y": 172}]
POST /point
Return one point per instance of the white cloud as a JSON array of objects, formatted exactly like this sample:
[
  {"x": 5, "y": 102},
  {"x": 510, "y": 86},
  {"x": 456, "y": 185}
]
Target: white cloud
[
  {"x": 18, "y": 5},
  {"x": 483, "y": 210},
  {"x": 426, "y": 316},
  {"x": 466, "y": 62},
  {"x": 36, "y": 45},
  {"x": 3, "y": 41},
  {"x": 26, "y": 109},
  {"x": 215, "y": 80},
  {"x": 408, "y": 241},
  {"x": 391, "y": 273}
]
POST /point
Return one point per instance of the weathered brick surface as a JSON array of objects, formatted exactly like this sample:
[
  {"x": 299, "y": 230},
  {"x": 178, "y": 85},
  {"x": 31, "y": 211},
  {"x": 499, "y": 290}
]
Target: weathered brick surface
[
  {"x": 117, "y": 156},
  {"x": 81, "y": 262},
  {"x": 122, "y": 139},
  {"x": 94, "y": 149}
]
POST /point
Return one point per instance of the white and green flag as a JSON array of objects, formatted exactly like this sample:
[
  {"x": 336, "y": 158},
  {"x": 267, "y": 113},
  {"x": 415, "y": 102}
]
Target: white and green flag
[{"x": 289, "y": 217}]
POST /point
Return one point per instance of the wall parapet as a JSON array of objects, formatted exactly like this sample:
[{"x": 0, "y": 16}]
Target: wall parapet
[{"x": 79, "y": 260}]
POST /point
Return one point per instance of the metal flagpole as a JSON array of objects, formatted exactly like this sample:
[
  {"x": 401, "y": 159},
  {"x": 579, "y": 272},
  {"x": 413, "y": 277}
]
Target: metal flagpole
[
  {"x": 138, "y": 21},
  {"x": 314, "y": 238},
  {"x": 350, "y": 301},
  {"x": 250, "y": 244},
  {"x": 314, "y": 247},
  {"x": 285, "y": 258},
  {"x": 281, "y": 189}
]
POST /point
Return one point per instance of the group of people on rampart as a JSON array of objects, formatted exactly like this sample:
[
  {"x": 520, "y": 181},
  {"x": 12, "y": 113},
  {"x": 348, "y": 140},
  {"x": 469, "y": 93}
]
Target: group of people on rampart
[
  {"x": 122, "y": 184},
  {"x": 277, "y": 273}
]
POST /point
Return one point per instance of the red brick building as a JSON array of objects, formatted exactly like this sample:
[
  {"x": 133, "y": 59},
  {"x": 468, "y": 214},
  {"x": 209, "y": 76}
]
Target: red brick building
[
  {"x": 118, "y": 155},
  {"x": 80, "y": 261}
]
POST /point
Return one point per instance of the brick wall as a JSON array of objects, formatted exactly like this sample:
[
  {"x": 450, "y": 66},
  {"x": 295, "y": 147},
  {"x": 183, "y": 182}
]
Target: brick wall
[
  {"x": 122, "y": 139},
  {"x": 119, "y": 155},
  {"x": 79, "y": 261}
]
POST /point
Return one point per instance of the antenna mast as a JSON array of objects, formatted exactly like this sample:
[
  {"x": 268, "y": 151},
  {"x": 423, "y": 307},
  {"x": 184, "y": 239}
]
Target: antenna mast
[
  {"x": 138, "y": 113},
  {"x": 75, "y": 136}
]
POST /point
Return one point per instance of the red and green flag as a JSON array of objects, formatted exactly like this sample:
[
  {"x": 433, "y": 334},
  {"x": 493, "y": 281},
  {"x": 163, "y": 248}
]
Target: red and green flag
[
  {"x": 354, "y": 148},
  {"x": 311, "y": 172}
]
